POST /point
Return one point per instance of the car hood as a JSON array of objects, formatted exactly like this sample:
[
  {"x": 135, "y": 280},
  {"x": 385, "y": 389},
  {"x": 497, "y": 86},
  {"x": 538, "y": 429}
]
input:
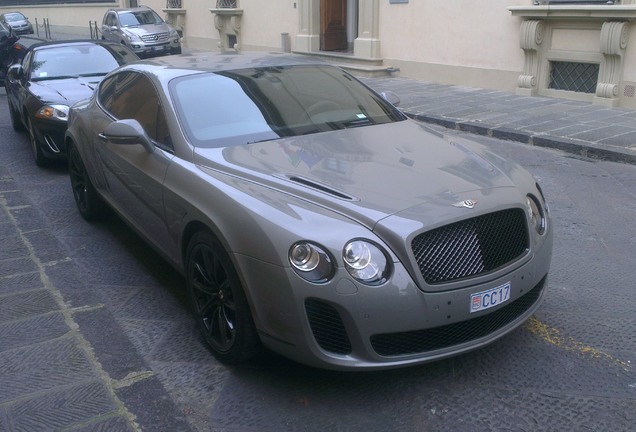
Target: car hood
[
  {"x": 67, "y": 91},
  {"x": 149, "y": 29},
  {"x": 368, "y": 173}
]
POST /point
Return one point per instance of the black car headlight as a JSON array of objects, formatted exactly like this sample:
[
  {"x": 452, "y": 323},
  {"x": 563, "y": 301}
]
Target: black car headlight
[
  {"x": 311, "y": 262},
  {"x": 537, "y": 214},
  {"x": 365, "y": 262},
  {"x": 53, "y": 112}
]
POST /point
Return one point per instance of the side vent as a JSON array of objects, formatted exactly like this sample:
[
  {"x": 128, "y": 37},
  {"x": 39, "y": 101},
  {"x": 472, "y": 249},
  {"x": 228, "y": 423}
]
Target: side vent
[{"x": 321, "y": 187}]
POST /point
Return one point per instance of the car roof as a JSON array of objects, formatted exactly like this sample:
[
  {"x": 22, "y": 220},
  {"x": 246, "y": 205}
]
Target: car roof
[
  {"x": 169, "y": 67},
  {"x": 71, "y": 42}
]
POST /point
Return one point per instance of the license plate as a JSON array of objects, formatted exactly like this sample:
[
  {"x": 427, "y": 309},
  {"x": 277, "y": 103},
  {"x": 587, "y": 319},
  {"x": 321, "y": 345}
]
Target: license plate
[{"x": 487, "y": 299}]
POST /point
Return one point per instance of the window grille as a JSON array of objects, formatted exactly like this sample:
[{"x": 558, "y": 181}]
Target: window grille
[
  {"x": 576, "y": 77},
  {"x": 226, "y": 4},
  {"x": 174, "y": 4}
]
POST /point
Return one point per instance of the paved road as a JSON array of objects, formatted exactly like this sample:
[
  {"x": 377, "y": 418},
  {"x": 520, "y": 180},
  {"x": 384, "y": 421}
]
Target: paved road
[{"x": 95, "y": 333}]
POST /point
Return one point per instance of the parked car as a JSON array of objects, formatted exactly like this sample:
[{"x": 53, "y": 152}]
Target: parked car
[
  {"x": 51, "y": 77},
  {"x": 310, "y": 215},
  {"x": 18, "y": 22},
  {"x": 11, "y": 51},
  {"x": 142, "y": 30}
]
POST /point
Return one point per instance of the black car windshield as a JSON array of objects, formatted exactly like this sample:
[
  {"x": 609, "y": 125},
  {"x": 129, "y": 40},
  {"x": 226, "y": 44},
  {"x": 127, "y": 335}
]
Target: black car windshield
[
  {"x": 249, "y": 105},
  {"x": 75, "y": 61},
  {"x": 137, "y": 18}
]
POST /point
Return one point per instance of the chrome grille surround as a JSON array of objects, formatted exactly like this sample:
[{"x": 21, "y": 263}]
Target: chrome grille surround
[
  {"x": 471, "y": 247},
  {"x": 156, "y": 38}
]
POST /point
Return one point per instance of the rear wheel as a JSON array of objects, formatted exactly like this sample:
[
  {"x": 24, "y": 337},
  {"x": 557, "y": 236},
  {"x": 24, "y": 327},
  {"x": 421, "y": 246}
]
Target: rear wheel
[
  {"x": 89, "y": 204},
  {"x": 221, "y": 310}
]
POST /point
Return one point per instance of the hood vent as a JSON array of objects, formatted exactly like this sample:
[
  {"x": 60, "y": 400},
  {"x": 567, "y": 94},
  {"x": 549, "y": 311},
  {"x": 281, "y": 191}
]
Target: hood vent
[{"x": 321, "y": 187}]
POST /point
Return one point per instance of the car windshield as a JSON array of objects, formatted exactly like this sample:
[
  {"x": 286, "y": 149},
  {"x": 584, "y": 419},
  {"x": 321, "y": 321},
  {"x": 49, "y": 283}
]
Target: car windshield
[
  {"x": 14, "y": 17},
  {"x": 74, "y": 61},
  {"x": 243, "y": 106},
  {"x": 137, "y": 18}
]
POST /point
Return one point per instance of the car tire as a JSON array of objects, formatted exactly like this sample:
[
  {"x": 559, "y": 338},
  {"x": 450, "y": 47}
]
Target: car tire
[
  {"x": 16, "y": 123},
  {"x": 89, "y": 203},
  {"x": 219, "y": 304},
  {"x": 175, "y": 50},
  {"x": 38, "y": 155}
]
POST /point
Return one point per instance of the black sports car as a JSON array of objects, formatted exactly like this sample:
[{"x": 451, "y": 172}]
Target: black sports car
[{"x": 51, "y": 77}]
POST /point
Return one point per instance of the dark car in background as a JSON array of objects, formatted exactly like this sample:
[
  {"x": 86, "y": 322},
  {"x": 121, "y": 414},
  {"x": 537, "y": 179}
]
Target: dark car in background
[
  {"x": 142, "y": 30},
  {"x": 51, "y": 77},
  {"x": 18, "y": 22},
  {"x": 308, "y": 213}
]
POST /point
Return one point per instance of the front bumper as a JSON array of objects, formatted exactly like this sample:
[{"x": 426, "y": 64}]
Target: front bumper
[
  {"x": 50, "y": 137},
  {"x": 344, "y": 325},
  {"x": 145, "y": 49}
]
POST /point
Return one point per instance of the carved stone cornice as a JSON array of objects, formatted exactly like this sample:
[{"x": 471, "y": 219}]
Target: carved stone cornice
[
  {"x": 614, "y": 37},
  {"x": 227, "y": 21},
  {"x": 531, "y": 38}
]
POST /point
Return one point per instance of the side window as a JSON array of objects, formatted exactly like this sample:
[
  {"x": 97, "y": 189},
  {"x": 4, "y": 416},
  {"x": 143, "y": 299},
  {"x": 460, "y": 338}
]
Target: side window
[{"x": 130, "y": 95}]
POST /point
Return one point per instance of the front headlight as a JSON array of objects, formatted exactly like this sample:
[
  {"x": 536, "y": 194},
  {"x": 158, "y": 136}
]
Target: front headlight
[
  {"x": 311, "y": 262},
  {"x": 53, "y": 112},
  {"x": 536, "y": 212},
  {"x": 365, "y": 262},
  {"x": 132, "y": 37}
]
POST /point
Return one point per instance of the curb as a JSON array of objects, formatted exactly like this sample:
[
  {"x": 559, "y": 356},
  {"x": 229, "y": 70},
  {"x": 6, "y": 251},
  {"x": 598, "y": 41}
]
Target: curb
[{"x": 578, "y": 147}]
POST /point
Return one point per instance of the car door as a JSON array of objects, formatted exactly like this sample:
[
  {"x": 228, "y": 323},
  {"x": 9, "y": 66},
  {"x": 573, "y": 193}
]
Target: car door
[
  {"x": 132, "y": 176},
  {"x": 110, "y": 20}
]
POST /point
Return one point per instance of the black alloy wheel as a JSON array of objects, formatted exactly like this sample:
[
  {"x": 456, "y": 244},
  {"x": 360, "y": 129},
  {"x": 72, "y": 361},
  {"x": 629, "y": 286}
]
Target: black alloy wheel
[
  {"x": 88, "y": 202},
  {"x": 221, "y": 310}
]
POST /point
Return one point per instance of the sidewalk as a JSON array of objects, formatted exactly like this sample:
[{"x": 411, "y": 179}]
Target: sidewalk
[{"x": 576, "y": 127}]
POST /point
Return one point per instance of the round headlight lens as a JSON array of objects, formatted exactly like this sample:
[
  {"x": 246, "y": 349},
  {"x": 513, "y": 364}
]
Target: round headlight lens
[
  {"x": 365, "y": 262},
  {"x": 57, "y": 112},
  {"x": 536, "y": 214},
  {"x": 311, "y": 262}
]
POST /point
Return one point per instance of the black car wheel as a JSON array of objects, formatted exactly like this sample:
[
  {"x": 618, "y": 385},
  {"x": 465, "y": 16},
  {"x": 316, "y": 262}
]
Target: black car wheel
[
  {"x": 38, "y": 155},
  {"x": 221, "y": 310},
  {"x": 88, "y": 201}
]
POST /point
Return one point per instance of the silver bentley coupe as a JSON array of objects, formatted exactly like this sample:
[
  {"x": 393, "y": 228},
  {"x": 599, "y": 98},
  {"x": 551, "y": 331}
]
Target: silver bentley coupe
[{"x": 308, "y": 214}]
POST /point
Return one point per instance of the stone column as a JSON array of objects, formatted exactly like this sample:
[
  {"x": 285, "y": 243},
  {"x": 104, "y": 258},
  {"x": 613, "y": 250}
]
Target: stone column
[
  {"x": 367, "y": 44},
  {"x": 308, "y": 37},
  {"x": 614, "y": 36},
  {"x": 530, "y": 41}
]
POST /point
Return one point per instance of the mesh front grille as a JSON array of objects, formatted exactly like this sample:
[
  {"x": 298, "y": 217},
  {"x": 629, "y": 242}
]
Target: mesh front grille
[
  {"x": 159, "y": 37},
  {"x": 327, "y": 327},
  {"x": 393, "y": 344},
  {"x": 471, "y": 247}
]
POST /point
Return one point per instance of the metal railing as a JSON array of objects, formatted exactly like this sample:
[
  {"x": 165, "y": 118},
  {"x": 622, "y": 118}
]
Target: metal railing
[
  {"x": 45, "y": 25},
  {"x": 94, "y": 29}
]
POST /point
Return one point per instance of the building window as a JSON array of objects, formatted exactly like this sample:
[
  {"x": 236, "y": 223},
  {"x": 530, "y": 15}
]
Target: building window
[
  {"x": 226, "y": 4},
  {"x": 576, "y": 77}
]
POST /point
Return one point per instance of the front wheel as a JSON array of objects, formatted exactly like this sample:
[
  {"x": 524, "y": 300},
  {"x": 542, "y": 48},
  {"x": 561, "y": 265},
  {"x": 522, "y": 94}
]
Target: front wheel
[
  {"x": 88, "y": 201},
  {"x": 220, "y": 307}
]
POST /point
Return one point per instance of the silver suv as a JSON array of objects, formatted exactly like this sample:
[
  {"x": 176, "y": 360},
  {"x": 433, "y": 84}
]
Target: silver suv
[{"x": 142, "y": 30}]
